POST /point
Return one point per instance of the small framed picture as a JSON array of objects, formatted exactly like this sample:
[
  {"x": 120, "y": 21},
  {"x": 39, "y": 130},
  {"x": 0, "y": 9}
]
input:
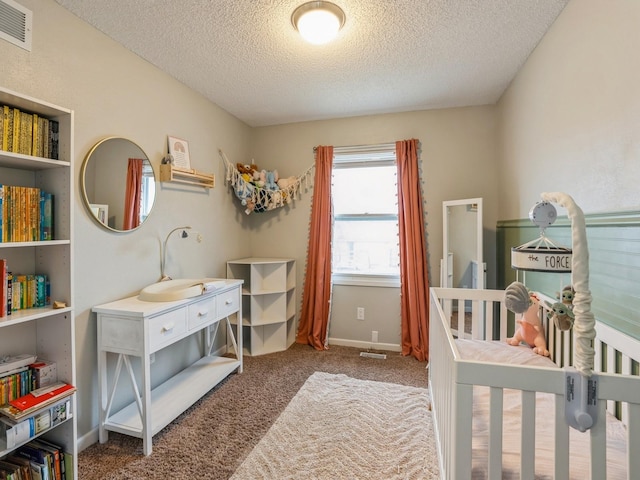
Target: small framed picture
[{"x": 179, "y": 149}]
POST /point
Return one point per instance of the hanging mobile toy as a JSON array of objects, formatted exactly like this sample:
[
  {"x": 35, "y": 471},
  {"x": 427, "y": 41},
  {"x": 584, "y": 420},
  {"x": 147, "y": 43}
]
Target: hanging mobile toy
[{"x": 541, "y": 254}]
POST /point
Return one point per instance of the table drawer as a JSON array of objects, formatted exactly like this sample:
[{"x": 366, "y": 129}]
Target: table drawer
[
  {"x": 167, "y": 328},
  {"x": 201, "y": 313},
  {"x": 228, "y": 303}
]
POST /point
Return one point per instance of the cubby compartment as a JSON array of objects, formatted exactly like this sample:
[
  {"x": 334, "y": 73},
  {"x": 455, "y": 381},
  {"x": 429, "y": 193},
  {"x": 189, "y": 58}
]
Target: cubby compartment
[
  {"x": 268, "y": 302},
  {"x": 267, "y": 308}
]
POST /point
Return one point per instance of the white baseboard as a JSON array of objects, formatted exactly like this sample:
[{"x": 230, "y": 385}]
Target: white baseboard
[
  {"x": 390, "y": 347},
  {"x": 88, "y": 439}
]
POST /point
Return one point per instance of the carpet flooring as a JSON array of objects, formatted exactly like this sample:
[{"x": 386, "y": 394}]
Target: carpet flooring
[
  {"x": 213, "y": 437},
  {"x": 343, "y": 428}
]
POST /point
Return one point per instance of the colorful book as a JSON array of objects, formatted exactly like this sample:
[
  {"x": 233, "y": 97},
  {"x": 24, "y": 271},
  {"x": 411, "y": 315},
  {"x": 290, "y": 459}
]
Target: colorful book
[
  {"x": 26, "y": 133},
  {"x": 21, "y": 294},
  {"x": 2, "y": 216},
  {"x": 7, "y": 134},
  {"x": 10, "y": 471},
  {"x": 35, "y": 147},
  {"x": 15, "y": 147},
  {"x": 56, "y": 455},
  {"x": 9, "y": 293},
  {"x": 16, "y": 293},
  {"x": 27, "y": 404},
  {"x": 6, "y": 110},
  {"x": 41, "y": 290},
  {"x": 4, "y": 287},
  {"x": 7, "y": 212},
  {"x": 37, "y": 457},
  {"x": 45, "y": 138},
  {"x": 53, "y": 139},
  {"x": 24, "y": 465},
  {"x": 47, "y": 217}
]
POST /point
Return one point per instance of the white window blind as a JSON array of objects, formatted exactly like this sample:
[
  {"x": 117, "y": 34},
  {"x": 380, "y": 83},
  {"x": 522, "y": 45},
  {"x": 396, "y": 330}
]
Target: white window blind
[{"x": 365, "y": 231}]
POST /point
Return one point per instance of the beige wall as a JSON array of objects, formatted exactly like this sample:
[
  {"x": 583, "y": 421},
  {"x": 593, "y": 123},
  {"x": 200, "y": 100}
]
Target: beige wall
[
  {"x": 571, "y": 119},
  {"x": 459, "y": 160},
  {"x": 114, "y": 92}
]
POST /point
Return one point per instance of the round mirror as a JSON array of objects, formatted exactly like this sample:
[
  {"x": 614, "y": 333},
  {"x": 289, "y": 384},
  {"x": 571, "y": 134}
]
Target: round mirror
[{"x": 118, "y": 184}]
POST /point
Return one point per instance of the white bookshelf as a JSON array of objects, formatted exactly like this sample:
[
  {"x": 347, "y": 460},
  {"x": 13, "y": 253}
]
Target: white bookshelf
[
  {"x": 45, "y": 332},
  {"x": 268, "y": 302}
]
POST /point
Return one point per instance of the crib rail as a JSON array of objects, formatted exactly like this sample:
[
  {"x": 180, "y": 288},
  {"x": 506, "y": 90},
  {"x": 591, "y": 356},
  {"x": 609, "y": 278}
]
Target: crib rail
[{"x": 452, "y": 381}]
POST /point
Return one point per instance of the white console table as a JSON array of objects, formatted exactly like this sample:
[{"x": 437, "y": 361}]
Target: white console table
[{"x": 134, "y": 328}]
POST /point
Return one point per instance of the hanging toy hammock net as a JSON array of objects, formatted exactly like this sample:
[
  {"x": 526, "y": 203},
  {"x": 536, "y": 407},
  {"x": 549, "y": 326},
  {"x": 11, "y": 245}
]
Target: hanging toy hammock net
[{"x": 260, "y": 190}]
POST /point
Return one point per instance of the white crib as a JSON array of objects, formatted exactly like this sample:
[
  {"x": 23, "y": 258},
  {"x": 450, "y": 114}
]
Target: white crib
[{"x": 470, "y": 398}]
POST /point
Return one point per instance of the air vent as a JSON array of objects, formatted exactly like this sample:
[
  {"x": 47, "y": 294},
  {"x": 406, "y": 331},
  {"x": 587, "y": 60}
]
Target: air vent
[{"x": 15, "y": 24}]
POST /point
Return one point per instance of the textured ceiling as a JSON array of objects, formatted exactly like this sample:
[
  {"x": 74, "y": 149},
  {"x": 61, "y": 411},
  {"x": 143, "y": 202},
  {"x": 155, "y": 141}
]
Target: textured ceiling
[{"x": 390, "y": 56}]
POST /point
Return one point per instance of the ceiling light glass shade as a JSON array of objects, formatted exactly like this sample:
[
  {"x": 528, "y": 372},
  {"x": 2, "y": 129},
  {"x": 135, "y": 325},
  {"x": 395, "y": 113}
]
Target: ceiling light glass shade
[{"x": 318, "y": 22}]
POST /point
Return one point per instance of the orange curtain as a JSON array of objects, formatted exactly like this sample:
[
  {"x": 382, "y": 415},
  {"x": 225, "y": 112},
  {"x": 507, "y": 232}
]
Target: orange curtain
[
  {"x": 132, "y": 195},
  {"x": 316, "y": 297},
  {"x": 414, "y": 277}
]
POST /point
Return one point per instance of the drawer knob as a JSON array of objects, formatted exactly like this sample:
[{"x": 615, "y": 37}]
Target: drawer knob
[
  {"x": 228, "y": 301},
  {"x": 168, "y": 327},
  {"x": 203, "y": 314}
]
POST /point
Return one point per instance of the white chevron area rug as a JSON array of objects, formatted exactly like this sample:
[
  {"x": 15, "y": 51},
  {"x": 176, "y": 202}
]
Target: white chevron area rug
[{"x": 337, "y": 427}]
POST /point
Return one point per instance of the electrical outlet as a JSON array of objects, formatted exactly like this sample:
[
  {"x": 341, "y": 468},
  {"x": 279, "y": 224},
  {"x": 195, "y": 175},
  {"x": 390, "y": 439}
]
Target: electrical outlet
[
  {"x": 360, "y": 313},
  {"x": 374, "y": 336}
]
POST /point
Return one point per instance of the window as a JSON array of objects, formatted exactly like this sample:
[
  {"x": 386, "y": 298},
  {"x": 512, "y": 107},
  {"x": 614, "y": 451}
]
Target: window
[
  {"x": 148, "y": 191},
  {"x": 365, "y": 208}
]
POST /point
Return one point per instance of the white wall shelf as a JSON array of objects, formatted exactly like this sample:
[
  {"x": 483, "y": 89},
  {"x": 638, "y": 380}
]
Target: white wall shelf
[
  {"x": 46, "y": 332},
  {"x": 170, "y": 173},
  {"x": 268, "y": 298}
]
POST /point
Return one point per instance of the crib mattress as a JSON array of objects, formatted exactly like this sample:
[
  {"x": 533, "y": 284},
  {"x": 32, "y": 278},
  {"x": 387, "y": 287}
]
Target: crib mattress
[{"x": 500, "y": 352}]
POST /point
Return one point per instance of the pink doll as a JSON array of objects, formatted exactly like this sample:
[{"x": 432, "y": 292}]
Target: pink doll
[{"x": 519, "y": 300}]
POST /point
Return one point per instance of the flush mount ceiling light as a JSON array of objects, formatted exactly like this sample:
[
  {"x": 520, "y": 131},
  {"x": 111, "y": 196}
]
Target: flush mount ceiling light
[{"x": 318, "y": 22}]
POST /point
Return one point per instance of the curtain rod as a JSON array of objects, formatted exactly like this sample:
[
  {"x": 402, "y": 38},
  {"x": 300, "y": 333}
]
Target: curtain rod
[{"x": 363, "y": 148}]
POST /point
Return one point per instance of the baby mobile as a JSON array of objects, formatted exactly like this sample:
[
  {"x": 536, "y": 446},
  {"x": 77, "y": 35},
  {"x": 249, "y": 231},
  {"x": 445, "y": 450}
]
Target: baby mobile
[
  {"x": 542, "y": 255},
  {"x": 261, "y": 190},
  {"x": 572, "y": 310}
]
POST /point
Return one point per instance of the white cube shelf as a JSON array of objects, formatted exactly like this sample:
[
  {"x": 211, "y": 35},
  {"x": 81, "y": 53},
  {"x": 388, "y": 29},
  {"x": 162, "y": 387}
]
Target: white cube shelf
[{"x": 268, "y": 302}]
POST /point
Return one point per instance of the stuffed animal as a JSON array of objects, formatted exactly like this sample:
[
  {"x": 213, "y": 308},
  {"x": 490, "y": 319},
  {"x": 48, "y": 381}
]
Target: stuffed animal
[
  {"x": 567, "y": 295},
  {"x": 244, "y": 191},
  {"x": 285, "y": 183},
  {"x": 519, "y": 300},
  {"x": 244, "y": 168},
  {"x": 270, "y": 183},
  {"x": 275, "y": 200},
  {"x": 260, "y": 178},
  {"x": 562, "y": 316}
]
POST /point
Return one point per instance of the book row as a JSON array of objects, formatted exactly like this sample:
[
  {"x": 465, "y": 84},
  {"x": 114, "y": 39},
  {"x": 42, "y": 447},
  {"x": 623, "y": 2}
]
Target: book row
[
  {"x": 37, "y": 460},
  {"x": 15, "y": 384},
  {"x": 34, "y": 402},
  {"x": 26, "y": 214},
  {"x": 21, "y": 292},
  {"x": 28, "y": 133},
  {"x": 14, "y": 433}
]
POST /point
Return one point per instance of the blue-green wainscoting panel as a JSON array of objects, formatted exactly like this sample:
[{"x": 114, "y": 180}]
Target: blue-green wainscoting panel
[{"x": 614, "y": 264}]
